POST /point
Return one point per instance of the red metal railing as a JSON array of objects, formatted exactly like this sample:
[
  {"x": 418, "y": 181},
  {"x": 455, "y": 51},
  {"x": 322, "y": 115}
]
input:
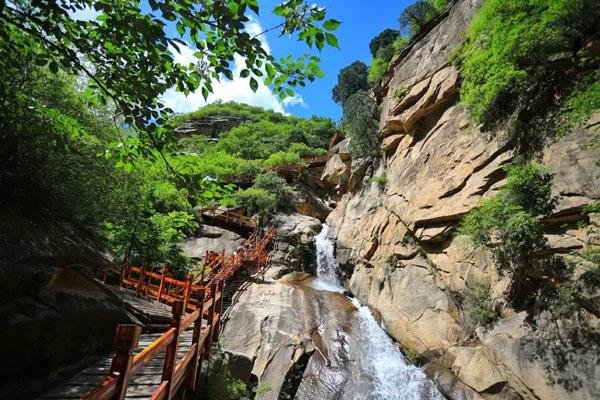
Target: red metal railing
[
  {"x": 204, "y": 301},
  {"x": 228, "y": 217},
  {"x": 177, "y": 374}
]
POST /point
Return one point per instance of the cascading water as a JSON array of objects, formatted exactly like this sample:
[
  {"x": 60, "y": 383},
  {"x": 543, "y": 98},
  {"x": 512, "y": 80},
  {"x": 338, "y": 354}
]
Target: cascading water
[
  {"x": 328, "y": 269},
  {"x": 376, "y": 369}
]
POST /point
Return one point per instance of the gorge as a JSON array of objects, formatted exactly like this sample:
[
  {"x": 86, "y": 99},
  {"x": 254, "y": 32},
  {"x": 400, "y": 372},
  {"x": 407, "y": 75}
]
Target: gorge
[{"x": 442, "y": 241}]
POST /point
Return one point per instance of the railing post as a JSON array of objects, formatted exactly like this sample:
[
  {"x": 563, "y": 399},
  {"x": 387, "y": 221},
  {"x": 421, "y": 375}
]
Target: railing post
[
  {"x": 197, "y": 357},
  {"x": 171, "y": 351},
  {"x": 139, "y": 287},
  {"x": 187, "y": 290},
  {"x": 126, "y": 342},
  {"x": 124, "y": 272},
  {"x": 218, "y": 309},
  {"x": 209, "y": 318},
  {"x": 162, "y": 283}
]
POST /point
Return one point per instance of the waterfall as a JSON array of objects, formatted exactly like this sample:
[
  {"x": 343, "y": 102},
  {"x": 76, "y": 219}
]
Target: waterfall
[
  {"x": 383, "y": 369},
  {"x": 328, "y": 269}
]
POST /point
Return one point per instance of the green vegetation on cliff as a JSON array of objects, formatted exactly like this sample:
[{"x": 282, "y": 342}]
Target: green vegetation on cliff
[{"x": 524, "y": 58}]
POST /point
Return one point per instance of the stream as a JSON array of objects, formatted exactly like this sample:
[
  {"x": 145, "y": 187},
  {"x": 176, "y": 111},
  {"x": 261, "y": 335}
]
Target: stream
[{"x": 358, "y": 360}]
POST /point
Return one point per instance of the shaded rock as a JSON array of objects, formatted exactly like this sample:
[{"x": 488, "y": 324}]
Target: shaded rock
[
  {"x": 473, "y": 367},
  {"x": 336, "y": 171},
  {"x": 213, "y": 239},
  {"x": 55, "y": 318},
  {"x": 294, "y": 249},
  {"x": 307, "y": 202},
  {"x": 212, "y": 126}
]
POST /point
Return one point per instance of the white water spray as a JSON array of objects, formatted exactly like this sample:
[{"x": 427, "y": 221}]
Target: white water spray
[
  {"x": 376, "y": 355},
  {"x": 328, "y": 269}
]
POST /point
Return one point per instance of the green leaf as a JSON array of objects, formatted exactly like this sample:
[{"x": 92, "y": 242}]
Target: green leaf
[
  {"x": 253, "y": 84},
  {"x": 332, "y": 40},
  {"x": 331, "y": 24},
  {"x": 244, "y": 73}
]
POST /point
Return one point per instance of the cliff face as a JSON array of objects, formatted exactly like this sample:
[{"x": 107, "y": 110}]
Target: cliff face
[
  {"x": 398, "y": 240},
  {"x": 54, "y": 319}
]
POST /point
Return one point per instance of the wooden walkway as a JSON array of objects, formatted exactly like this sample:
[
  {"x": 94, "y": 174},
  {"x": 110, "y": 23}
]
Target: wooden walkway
[
  {"x": 163, "y": 365},
  {"x": 142, "y": 385}
]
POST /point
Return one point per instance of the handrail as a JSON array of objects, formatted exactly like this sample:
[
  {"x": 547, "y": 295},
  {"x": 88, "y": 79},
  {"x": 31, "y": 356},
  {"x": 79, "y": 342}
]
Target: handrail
[
  {"x": 114, "y": 386},
  {"x": 205, "y": 300}
]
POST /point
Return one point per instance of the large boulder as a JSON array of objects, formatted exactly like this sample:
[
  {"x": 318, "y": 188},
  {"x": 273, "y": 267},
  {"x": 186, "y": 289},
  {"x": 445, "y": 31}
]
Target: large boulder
[{"x": 212, "y": 238}]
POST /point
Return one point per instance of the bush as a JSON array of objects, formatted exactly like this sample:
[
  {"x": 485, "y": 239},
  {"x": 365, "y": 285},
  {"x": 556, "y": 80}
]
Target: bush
[
  {"x": 350, "y": 80},
  {"x": 530, "y": 186},
  {"x": 380, "y": 180},
  {"x": 413, "y": 357},
  {"x": 478, "y": 306},
  {"x": 281, "y": 158},
  {"x": 257, "y": 200},
  {"x": 508, "y": 225},
  {"x": 377, "y": 70},
  {"x": 359, "y": 120},
  {"x": 399, "y": 44},
  {"x": 278, "y": 186},
  {"x": 584, "y": 102}
]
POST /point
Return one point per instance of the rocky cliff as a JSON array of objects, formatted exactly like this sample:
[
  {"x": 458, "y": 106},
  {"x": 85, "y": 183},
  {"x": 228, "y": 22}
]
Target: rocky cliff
[
  {"x": 54, "y": 318},
  {"x": 397, "y": 238}
]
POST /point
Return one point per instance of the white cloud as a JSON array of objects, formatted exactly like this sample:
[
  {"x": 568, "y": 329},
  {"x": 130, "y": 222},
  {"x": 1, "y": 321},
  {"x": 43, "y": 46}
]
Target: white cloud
[{"x": 237, "y": 89}]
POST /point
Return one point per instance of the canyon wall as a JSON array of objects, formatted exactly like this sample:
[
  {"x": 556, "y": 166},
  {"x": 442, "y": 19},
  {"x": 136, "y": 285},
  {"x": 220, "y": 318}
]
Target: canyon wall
[{"x": 397, "y": 238}]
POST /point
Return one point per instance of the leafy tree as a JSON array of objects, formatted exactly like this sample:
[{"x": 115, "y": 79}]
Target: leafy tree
[
  {"x": 350, "y": 80},
  {"x": 416, "y": 16},
  {"x": 111, "y": 55},
  {"x": 384, "y": 39},
  {"x": 360, "y": 111}
]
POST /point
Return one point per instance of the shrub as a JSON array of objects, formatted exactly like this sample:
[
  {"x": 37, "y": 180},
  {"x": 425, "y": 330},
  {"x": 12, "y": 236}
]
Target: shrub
[
  {"x": 508, "y": 225},
  {"x": 359, "y": 120},
  {"x": 399, "y": 44},
  {"x": 377, "y": 70},
  {"x": 592, "y": 255},
  {"x": 413, "y": 357},
  {"x": 584, "y": 102},
  {"x": 278, "y": 186},
  {"x": 379, "y": 180},
  {"x": 282, "y": 158},
  {"x": 530, "y": 186},
  {"x": 478, "y": 305},
  {"x": 400, "y": 92},
  {"x": 384, "y": 39},
  {"x": 257, "y": 200},
  {"x": 350, "y": 80}
]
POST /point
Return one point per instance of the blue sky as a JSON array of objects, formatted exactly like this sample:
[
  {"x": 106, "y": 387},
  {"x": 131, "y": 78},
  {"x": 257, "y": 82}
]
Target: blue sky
[{"x": 361, "y": 21}]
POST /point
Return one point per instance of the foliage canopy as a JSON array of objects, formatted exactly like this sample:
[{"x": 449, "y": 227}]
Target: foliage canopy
[{"x": 104, "y": 48}]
